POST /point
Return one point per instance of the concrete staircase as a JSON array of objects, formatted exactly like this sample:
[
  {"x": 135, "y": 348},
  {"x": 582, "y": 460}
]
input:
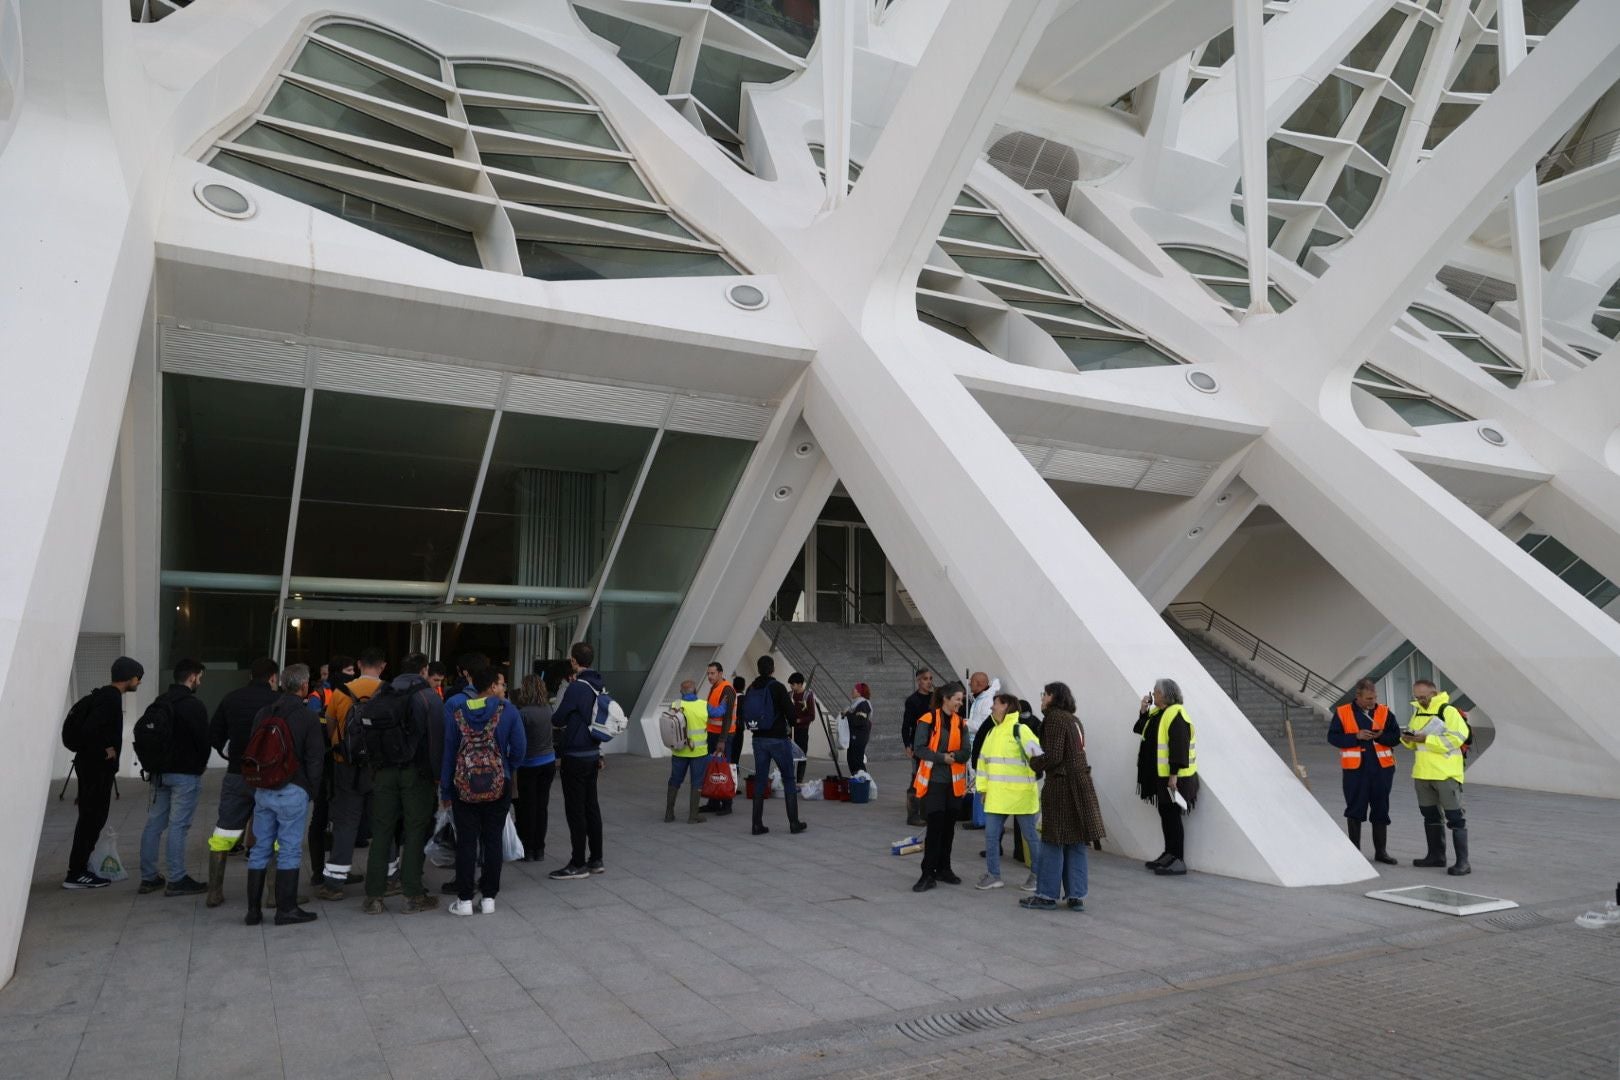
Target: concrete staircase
[
  {"x": 885, "y": 658},
  {"x": 1264, "y": 703}
]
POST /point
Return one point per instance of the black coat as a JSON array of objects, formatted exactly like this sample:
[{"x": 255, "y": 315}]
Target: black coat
[{"x": 233, "y": 720}]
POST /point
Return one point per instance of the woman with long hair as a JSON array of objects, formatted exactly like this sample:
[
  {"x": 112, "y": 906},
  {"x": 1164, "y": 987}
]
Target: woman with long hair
[
  {"x": 1070, "y": 815},
  {"x": 859, "y": 718},
  {"x": 942, "y": 749},
  {"x": 535, "y": 771}
]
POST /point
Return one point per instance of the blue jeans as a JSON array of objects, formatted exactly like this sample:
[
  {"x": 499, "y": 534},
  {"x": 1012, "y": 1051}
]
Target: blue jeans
[
  {"x": 278, "y": 825},
  {"x": 781, "y": 752},
  {"x": 174, "y": 800},
  {"x": 1065, "y": 863},
  {"x": 993, "y": 824},
  {"x": 681, "y": 767}
]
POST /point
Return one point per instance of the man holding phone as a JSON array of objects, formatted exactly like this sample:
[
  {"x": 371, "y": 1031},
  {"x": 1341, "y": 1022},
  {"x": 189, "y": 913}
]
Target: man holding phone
[{"x": 1366, "y": 741}]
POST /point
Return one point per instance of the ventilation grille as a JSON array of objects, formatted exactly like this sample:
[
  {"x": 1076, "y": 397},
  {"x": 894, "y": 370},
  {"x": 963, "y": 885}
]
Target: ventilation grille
[
  {"x": 1037, "y": 164},
  {"x": 728, "y": 419},
  {"x": 1479, "y": 290},
  {"x": 947, "y": 1025},
  {"x": 1518, "y": 920},
  {"x": 546, "y": 396},
  {"x": 92, "y": 661},
  {"x": 231, "y": 356},
  {"x": 1111, "y": 468},
  {"x": 389, "y": 376}
]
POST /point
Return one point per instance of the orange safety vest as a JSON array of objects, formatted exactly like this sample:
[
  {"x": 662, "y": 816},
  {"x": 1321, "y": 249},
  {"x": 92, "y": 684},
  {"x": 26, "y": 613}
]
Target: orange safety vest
[
  {"x": 717, "y": 694},
  {"x": 1350, "y": 757},
  {"x": 925, "y": 769}
]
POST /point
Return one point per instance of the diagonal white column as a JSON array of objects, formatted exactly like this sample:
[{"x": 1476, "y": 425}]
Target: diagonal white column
[
  {"x": 837, "y": 41},
  {"x": 1249, "y": 39},
  {"x": 1524, "y": 214}
]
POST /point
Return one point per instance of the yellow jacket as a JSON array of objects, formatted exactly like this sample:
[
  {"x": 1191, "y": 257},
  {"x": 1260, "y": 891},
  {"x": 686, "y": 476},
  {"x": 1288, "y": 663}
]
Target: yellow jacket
[{"x": 1438, "y": 756}]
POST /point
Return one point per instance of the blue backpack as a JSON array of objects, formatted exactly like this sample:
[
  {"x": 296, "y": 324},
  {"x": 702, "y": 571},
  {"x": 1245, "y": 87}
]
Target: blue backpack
[
  {"x": 758, "y": 709},
  {"x": 607, "y": 717}
]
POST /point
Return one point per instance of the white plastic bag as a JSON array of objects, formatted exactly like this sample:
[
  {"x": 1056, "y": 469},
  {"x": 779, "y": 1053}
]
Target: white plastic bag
[
  {"x": 511, "y": 846},
  {"x": 864, "y": 775},
  {"x": 440, "y": 849},
  {"x": 843, "y": 733},
  {"x": 104, "y": 860},
  {"x": 798, "y": 754},
  {"x": 810, "y": 792}
]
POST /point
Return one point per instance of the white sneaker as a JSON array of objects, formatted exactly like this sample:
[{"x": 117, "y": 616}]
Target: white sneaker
[
  {"x": 989, "y": 882},
  {"x": 486, "y": 906},
  {"x": 461, "y": 907}
]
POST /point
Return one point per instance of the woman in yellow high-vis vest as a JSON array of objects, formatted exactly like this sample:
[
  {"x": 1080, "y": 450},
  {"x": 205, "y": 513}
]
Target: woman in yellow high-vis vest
[
  {"x": 1167, "y": 767},
  {"x": 1007, "y": 781}
]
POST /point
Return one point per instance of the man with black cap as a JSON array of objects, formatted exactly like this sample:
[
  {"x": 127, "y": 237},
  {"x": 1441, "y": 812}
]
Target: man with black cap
[{"x": 94, "y": 731}]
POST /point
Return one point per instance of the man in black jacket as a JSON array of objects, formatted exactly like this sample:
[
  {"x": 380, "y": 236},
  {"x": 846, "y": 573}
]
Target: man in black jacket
[
  {"x": 228, "y": 734},
  {"x": 406, "y": 793},
  {"x": 280, "y": 814},
  {"x": 917, "y": 705},
  {"x": 98, "y": 739},
  {"x": 176, "y": 784},
  {"x": 580, "y": 757},
  {"x": 767, "y": 711}
]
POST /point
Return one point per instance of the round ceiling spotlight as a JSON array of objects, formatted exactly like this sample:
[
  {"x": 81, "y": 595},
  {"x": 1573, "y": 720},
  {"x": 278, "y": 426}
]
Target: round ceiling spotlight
[
  {"x": 804, "y": 449},
  {"x": 1195, "y": 532},
  {"x": 1223, "y": 498},
  {"x": 223, "y": 199},
  {"x": 747, "y": 297},
  {"x": 781, "y": 494},
  {"x": 1492, "y": 436},
  {"x": 1203, "y": 382}
]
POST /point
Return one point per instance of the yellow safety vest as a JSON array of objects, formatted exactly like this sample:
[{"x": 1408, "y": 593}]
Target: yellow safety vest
[
  {"x": 1005, "y": 778},
  {"x": 1438, "y": 757},
  {"x": 1165, "y": 719},
  {"x": 697, "y": 727}
]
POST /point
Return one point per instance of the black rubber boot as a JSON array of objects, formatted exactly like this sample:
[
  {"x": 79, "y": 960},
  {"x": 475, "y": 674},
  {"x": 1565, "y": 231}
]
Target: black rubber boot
[
  {"x": 1459, "y": 840},
  {"x": 255, "y": 894},
  {"x": 216, "y": 878},
  {"x": 287, "y": 909},
  {"x": 1353, "y": 830},
  {"x": 1381, "y": 845},
  {"x": 1436, "y": 835},
  {"x": 669, "y": 804},
  {"x": 693, "y": 816}
]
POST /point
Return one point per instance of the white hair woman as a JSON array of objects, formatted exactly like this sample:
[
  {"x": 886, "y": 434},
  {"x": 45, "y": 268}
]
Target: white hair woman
[{"x": 1167, "y": 769}]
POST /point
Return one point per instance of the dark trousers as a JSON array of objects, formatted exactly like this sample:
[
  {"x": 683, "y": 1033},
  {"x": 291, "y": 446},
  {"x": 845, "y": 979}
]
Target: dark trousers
[
  {"x": 479, "y": 826},
  {"x": 767, "y": 751},
  {"x": 858, "y": 737},
  {"x": 95, "y": 800},
  {"x": 1170, "y": 822},
  {"x": 533, "y": 807},
  {"x": 716, "y": 741},
  {"x": 937, "y": 842},
  {"x": 801, "y": 739},
  {"x": 1367, "y": 788},
  {"x": 581, "y": 808},
  {"x": 320, "y": 813}
]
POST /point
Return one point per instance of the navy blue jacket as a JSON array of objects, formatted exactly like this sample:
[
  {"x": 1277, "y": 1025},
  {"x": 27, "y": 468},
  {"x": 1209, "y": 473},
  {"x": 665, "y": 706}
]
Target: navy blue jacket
[
  {"x": 574, "y": 714},
  {"x": 479, "y": 712}
]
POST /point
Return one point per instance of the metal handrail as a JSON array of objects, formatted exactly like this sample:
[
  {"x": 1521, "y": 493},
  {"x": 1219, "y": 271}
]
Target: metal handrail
[
  {"x": 816, "y": 668},
  {"x": 1197, "y": 615},
  {"x": 1576, "y": 156}
]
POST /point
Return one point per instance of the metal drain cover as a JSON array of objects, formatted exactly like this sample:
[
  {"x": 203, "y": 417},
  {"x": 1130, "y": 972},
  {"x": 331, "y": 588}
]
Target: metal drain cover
[
  {"x": 1519, "y": 920},
  {"x": 946, "y": 1025}
]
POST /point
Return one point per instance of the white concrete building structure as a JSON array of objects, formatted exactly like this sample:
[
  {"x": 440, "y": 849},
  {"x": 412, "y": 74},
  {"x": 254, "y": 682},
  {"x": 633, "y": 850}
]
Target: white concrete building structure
[{"x": 493, "y": 323}]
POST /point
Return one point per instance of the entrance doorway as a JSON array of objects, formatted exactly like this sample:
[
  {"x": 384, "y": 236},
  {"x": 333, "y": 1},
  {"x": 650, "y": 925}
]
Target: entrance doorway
[{"x": 851, "y": 575}]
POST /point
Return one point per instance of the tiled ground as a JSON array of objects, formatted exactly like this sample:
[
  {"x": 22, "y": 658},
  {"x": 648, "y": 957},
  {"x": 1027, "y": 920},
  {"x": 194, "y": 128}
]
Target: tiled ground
[{"x": 701, "y": 945}]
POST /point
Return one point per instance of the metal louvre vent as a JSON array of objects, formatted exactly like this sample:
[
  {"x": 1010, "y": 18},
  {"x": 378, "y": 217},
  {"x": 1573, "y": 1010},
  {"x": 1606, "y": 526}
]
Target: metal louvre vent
[
  {"x": 389, "y": 376},
  {"x": 1173, "y": 477},
  {"x": 543, "y": 395},
  {"x": 1478, "y": 290},
  {"x": 230, "y": 356},
  {"x": 946, "y": 1025},
  {"x": 1035, "y": 455},
  {"x": 92, "y": 661},
  {"x": 728, "y": 419},
  {"x": 1112, "y": 468},
  {"x": 1037, "y": 164},
  {"x": 1096, "y": 467}
]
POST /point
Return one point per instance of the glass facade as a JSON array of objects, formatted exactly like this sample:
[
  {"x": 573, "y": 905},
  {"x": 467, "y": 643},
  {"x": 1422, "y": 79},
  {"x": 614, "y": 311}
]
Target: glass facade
[
  {"x": 1470, "y": 344},
  {"x": 1226, "y": 278}
]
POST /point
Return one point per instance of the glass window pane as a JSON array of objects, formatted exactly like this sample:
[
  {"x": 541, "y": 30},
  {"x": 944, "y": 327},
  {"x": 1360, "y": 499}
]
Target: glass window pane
[
  {"x": 1370, "y": 50},
  {"x": 614, "y": 177},
  {"x": 586, "y": 129},
  {"x": 967, "y": 199},
  {"x": 1606, "y": 326},
  {"x": 500, "y": 79},
  {"x": 586, "y": 262},
  {"x": 1018, "y": 271},
  {"x": 1083, "y": 312},
  {"x": 1324, "y": 111},
  {"x": 1434, "y": 320},
  {"x": 1553, "y": 555},
  {"x": 386, "y": 487},
  {"x": 1447, "y": 118},
  {"x": 226, "y": 631},
  {"x": 720, "y": 76},
  {"x": 1103, "y": 354},
  {"x": 1411, "y": 61},
  {"x": 1582, "y": 577},
  {"x": 1419, "y": 412},
  {"x": 265, "y": 137},
  {"x": 1352, "y": 195},
  {"x": 1197, "y": 261},
  {"x": 1218, "y": 50},
  {"x": 1232, "y": 294},
  {"x": 790, "y": 25},
  {"x": 645, "y": 50},
  {"x": 385, "y": 47},
  {"x": 229, "y": 451},
  {"x": 1507, "y": 378},
  {"x": 319, "y": 62},
  {"x": 1478, "y": 75},
  {"x": 552, "y": 499},
  {"x": 1288, "y": 170},
  {"x": 1479, "y": 352},
  {"x": 650, "y": 220},
  {"x": 983, "y": 230},
  {"x": 307, "y": 107},
  {"x": 1383, "y": 127},
  {"x": 1605, "y": 594},
  {"x": 1372, "y": 375},
  {"x": 445, "y": 241},
  {"x": 1279, "y": 302}
]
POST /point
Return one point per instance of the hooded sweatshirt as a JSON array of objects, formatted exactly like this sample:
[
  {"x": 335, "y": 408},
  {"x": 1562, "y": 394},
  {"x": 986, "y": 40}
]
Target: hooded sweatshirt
[{"x": 479, "y": 712}]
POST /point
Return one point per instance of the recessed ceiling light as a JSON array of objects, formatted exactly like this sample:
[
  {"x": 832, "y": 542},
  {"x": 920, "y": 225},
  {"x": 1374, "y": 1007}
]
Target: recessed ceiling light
[
  {"x": 747, "y": 297},
  {"x": 1203, "y": 382},
  {"x": 223, "y": 199}
]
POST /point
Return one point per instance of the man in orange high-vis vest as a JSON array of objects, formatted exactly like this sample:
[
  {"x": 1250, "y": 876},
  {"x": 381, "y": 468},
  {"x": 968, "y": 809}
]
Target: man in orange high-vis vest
[
  {"x": 1366, "y": 737},
  {"x": 722, "y": 719}
]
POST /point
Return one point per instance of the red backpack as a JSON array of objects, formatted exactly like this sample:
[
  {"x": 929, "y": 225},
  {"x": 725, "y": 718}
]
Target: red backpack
[{"x": 270, "y": 761}]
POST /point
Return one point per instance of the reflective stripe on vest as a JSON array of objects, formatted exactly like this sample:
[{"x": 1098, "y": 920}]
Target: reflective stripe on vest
[
  {"x": 1350, "y": 756},
  {"x": 697, "y": 727},
  {"x": 717, "y": 694},
  {"x": 1005, "y": 777},
  {"x": 1165, "y": 719},
  {"x": 925, "y": 769}
]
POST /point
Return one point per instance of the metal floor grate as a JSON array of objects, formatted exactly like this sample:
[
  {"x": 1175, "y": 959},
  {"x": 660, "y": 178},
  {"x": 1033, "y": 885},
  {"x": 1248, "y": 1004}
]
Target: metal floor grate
[
  {"x": 1519, "y": 920},
  {"x": 946, "y": 1025}
]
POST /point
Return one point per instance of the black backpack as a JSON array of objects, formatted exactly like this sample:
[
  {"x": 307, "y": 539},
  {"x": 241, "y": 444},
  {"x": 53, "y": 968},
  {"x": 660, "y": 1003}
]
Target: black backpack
[
  {"x": 76, "y": 733},
  {"x": 379, "y": 732},
  {"x": 154, "y": 736}
]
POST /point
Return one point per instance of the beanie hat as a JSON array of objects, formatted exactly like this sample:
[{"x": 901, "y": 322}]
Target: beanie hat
[{"x": 124, "y": 668}]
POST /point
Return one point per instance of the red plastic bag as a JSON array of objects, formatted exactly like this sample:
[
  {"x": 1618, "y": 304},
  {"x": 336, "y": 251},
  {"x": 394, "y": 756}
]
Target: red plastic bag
[{"x": 718, "y": 783}]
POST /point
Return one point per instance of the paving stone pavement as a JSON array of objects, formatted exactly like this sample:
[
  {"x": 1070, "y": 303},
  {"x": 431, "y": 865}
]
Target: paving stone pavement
[{"x": 703, "y": 948}]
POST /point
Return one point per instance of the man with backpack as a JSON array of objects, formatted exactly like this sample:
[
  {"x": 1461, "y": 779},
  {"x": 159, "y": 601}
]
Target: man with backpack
[
  {"x": 404, "y": 738},
  {"x": 581, "y": 758},
  {"x": 171, "y": 741},
  {"x": 483, "y": 742},
  {"x": 1438, "y": 736},
  {"x": 94, "y": 731},
  {"x": 767, "y": 711},
  {"x": 282, "y": 764},
  {"x": 228, "y": 734},
  {"x": 351, "y": 782}
]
